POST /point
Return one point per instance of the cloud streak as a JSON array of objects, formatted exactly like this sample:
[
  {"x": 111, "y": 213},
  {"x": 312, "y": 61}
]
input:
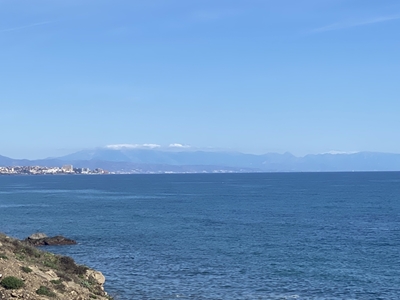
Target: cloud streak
[
  {"x": 351, "y": 24},
  {"x": 173, "y": 146},
  {"x": 23, "y": 27},
  {"x": 133, "y": 146},
  {"x": 334, "y": 152}
]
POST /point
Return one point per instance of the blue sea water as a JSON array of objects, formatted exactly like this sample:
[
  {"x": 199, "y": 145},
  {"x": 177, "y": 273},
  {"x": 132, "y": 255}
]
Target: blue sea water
[{"x": 220, "y": 236}]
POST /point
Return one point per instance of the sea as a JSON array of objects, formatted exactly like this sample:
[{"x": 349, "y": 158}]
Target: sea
[{"x": 220, "y": 236}]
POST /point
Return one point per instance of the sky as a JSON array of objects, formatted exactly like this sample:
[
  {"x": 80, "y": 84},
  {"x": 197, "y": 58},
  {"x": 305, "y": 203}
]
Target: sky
[{"x": 254, "y": 76}]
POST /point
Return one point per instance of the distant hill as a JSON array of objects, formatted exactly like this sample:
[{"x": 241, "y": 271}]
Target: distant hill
[
  {"x": 4, "y": 161},
  {"x": 272, "y": 162},
  {"x": 155, "y": 160}
]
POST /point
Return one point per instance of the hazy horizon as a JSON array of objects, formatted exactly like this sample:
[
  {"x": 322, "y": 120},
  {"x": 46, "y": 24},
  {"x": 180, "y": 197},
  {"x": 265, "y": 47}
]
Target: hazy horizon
[{"x": 170, "y": 148}]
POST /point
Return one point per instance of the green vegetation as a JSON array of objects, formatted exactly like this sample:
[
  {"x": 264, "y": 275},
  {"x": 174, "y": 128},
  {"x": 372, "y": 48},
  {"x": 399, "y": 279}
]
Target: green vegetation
[
  {"x": 51, "y": 261},
  {"x": 24, "y": 252},
  {"x": 85, "y": 284},
  {"x": 58, "y": 281},
  {"x": 65, "y": 268},
  {"x": 90, "y": 284},
  {"x": 31, "y": 251},
  {"x": 63, "y": 276},
  {"x": 45, "y": 291},
  {"x": 58, "y": 285},
  {"x": 50, "y": 264},
  {"x": 26, "y": 269},
  {"x": 19, "y": 256},
  {"x": 12, "y": 283},
  {"x": 67, "y": 264}
]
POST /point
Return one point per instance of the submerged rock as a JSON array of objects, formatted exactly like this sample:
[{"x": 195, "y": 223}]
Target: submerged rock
[{"x": 48, "y": 241}]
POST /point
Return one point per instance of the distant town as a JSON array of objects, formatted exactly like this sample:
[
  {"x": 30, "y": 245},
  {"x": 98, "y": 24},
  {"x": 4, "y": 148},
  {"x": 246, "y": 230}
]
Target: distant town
[{"x": 39, "y": 170}]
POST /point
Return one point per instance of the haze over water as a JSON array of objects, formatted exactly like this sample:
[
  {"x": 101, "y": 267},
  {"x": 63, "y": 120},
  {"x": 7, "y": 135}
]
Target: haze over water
[{"x": 221, "y": 236}]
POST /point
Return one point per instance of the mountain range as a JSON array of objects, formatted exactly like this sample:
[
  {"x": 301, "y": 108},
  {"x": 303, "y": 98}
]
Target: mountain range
[{"x": 150, "y": 160}]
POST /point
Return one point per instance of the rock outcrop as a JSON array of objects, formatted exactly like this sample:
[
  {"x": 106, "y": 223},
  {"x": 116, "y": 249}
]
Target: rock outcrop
[
  {"x": 41, "y": 239},
  {"x": 37, "y": 236},
  {"x": 43, "y": 275}
]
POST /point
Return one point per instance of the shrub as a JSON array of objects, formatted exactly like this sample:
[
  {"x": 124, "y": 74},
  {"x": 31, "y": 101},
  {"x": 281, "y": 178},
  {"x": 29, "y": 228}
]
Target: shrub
[
  {"x": 12, "y": 283},
  {"x": 60, "y": 288},
  {"x": 63, "y": 276},
  {"x": 80, "y": 270},
  {"x": 26, "y": 269},
  {"x": 85, "y": 283},
  {"x": 58, "y": 281},
  {"x": 17, "y": 244},
  {"x": 58, "y": 285},
  {"x": 50, "y": 264},
  {"x": 45, "y": 291},
  {"x": 20, "y": 256},
  {"x": 68, "y": 264},
  {"x": 31, "y": 251},
  {"x": 51, "y": 261}
]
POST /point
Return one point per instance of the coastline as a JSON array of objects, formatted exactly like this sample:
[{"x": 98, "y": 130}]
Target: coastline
[
  {"x": 30, "y": 273},
  {"x": 44, "y": 170}
]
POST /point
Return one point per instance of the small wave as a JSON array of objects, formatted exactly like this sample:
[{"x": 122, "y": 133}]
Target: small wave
[{"x": 22, "y": 205}]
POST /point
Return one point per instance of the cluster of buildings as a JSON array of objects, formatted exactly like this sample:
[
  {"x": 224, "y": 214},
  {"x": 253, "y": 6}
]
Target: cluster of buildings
[{"x": 39, "y": 170}]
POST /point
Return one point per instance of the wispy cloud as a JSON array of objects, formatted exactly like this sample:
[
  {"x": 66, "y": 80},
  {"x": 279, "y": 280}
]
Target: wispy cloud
[
  {"x": 133, "y": 146},
  {"x": 23, "y": 27},
  {"x": 173, "y": 146},
  {"x": 334, "y": 152},
  {"x": 353, "y": 23}
]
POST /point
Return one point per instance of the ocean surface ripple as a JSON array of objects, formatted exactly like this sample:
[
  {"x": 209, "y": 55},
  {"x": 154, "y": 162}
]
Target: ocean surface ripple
[{"x": 221, "y": 236}]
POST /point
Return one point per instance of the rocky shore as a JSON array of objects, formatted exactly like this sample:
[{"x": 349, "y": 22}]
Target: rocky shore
[
  {"x": 32, "y": 274},
  {"x": 41, "y": 239}
]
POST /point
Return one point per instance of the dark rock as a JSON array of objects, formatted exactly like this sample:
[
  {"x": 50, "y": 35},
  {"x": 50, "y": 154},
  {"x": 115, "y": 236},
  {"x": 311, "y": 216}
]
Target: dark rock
[{"x": 50, "y": 241}]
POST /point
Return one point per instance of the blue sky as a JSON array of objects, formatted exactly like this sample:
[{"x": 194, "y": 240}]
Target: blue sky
[{"x": 256, "y": 76}]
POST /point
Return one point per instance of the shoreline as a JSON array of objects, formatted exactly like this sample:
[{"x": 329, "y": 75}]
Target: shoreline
[{"x": 27, "y": 272}]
